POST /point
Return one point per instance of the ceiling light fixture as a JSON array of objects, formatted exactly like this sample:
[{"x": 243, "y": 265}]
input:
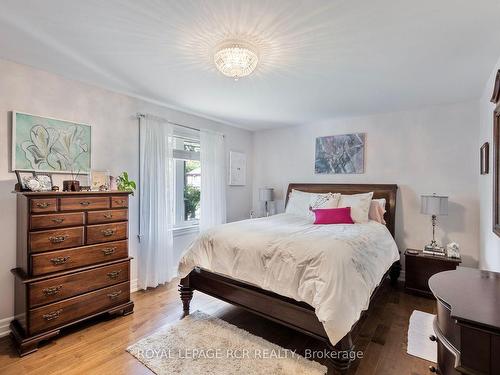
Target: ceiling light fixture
[{"x": 236, "y": 59}]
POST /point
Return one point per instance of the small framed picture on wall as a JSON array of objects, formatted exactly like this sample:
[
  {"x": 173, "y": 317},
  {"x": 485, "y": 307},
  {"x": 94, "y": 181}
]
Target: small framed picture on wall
[{"x": 237, "y": 168}]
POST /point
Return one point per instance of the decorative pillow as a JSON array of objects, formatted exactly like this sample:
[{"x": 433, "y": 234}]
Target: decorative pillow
[
  {"x": 333, "y": 216},
  {"x": 381, "y": 202},
  {"x": 300, "y": 203},
  {"x": 376, "y": 212},
  {"x": 360, "y": 206}
]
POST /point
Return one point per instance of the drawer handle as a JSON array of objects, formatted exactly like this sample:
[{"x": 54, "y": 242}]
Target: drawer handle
[
  {"x": 108, "y": 250},
  {"x": 52, "y": 315},
  {"x": 59, "y": 260},
  {"x": 52, "y": 291},
  {"x": 58, "y": 239},
  {"x": 434, "y": 369},
  {"x": 85, "y": 203},
  {"x": 114, "y": 274},
  {"x": 108, "y": 216},
  {"x": 58, "y": 220},
  {"x": 114, "y": 295},
  {"x": 108, "y": 232},
  {"x": 121, "y": 201},
  {"x": 43, "y": 204},
  {"x": 432, "y": 338}
]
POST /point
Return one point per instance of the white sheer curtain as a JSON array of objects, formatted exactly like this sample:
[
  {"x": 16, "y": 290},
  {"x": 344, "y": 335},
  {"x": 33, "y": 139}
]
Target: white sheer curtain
[
  {"x": 213, "y": 179},
  {"x": 155, "y": 256}
]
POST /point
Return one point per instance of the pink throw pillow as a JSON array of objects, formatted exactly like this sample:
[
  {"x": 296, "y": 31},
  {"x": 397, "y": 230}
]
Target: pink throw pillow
[
  {"x": 333, "y": 216},
  {"x": 376, "y": 212}
]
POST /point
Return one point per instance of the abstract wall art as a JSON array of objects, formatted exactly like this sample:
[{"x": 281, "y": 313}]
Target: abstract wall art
[
  {"x": 339, "y": 154},
  {"x": 49, "y": 145}
]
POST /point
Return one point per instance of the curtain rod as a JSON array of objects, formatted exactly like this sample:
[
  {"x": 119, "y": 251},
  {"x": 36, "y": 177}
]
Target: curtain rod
[{"x": 142, "y": 115}]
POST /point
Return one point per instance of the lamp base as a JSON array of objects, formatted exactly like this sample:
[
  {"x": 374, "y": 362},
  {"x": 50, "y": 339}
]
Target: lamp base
[{"x": 434, "y": 250}]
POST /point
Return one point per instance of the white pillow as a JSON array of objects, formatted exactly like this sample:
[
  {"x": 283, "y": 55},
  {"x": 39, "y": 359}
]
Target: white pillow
[
  {"x": 300, "y": 202},
  {"x": 360, "y": 206}
]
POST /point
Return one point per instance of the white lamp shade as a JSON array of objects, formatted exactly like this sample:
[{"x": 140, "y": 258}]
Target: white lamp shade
[
  {"x": 265, "y": 194},
  {"x": 434, "y": 204}
]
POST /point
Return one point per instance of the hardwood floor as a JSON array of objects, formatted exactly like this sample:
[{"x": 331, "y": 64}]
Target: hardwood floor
[{"x": 99, "y": 348}]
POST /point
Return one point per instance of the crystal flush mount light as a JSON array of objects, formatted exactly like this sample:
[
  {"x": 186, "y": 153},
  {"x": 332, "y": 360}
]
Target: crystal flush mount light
[{"x": 236, "y": 59}]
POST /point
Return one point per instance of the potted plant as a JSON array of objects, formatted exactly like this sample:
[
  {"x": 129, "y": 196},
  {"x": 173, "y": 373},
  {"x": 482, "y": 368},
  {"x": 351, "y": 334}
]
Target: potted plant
[{"x": 124, "y": 184}]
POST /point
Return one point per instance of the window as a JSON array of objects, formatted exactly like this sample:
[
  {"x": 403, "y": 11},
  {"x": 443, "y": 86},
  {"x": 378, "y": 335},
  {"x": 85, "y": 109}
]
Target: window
[{"x": 187, "y": 181}]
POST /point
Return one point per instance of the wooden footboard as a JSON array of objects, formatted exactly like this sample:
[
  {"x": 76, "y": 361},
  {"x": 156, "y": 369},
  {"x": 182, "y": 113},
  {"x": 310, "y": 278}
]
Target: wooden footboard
[{"x": 297, "y": 315}]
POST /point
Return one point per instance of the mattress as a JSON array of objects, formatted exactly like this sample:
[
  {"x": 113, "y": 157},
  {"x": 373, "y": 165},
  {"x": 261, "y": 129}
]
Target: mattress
[{"x": 333, "y": 268}]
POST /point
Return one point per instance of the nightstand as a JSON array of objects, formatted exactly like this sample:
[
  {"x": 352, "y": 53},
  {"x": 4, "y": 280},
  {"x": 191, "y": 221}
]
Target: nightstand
[{"x": 420, "y": 267}]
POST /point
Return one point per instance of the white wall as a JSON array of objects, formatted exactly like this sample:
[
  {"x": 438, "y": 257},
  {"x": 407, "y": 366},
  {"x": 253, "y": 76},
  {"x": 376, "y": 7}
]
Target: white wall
[
  {"x": 424, "y": 151},
  {"x": 114, "y": 147},
  {"x": 490, "y": 242}
]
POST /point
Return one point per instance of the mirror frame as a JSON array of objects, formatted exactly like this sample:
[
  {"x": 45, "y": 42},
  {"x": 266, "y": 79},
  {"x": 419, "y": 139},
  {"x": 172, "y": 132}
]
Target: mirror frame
[
  {"x": 496, "y": 170},
  {"x": 495, "y": 98}
]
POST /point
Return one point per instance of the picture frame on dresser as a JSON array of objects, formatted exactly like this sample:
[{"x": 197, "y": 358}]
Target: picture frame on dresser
[
  {"x": 45, "y": 180},
  {"x": 21, "y": 179},
  {"x": 72, "y": 262}
]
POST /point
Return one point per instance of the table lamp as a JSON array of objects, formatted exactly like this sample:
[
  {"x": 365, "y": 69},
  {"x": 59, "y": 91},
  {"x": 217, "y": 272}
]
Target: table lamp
[
  {"x": 266, "y": 195},
  {"x": 434, "y": 205}
]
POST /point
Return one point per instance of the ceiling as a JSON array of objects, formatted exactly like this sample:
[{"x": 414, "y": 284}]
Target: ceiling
[{"x": 319, "y": 58}]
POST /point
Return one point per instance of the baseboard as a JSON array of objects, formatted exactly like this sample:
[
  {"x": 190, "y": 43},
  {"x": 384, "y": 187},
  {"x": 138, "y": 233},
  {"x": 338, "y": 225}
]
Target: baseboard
[{"x": 4, "y": 326}]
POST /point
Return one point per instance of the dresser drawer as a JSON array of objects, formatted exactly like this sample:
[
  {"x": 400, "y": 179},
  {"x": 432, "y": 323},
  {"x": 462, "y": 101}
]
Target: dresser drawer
[
  {"x": 84, "y": 203},
  {"x": 59, "y": 313},
  {"x": 56, "y": 239},
  {"x": 61, "y": 260},
  {"x": 97, "y": 217},
  {"x": 57, "y": 220},
  {"x": 59, "y": 288},
  {"x": 44, "y": 205},
  {"x": 120, "y": 201},
  {"x": 106, "y": 232}
]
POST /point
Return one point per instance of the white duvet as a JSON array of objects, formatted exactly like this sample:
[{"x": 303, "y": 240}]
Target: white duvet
[{"x": 333, "y": 268}]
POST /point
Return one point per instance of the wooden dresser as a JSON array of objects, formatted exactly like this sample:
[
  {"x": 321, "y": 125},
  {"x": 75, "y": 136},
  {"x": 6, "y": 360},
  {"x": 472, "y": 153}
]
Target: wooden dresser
[
  {"x": 467, "y": 327},
  {"x": 72, "y": 262}
]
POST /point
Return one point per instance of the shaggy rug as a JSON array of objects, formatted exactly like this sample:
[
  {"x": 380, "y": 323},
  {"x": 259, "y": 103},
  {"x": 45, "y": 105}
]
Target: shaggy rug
[{"x": 202, "y": 344}]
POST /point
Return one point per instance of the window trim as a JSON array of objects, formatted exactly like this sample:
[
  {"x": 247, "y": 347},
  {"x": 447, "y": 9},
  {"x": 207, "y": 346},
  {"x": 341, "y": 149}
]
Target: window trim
[{"x": 185, "y": 230}]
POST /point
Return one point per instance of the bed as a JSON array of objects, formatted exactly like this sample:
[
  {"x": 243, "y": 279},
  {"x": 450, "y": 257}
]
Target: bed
[{"x": 304, "y": 285}]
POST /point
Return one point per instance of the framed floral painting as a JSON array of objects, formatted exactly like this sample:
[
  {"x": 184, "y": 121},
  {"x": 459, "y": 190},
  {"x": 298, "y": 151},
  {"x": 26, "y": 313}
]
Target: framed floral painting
[{"x": 45, "y": 144}]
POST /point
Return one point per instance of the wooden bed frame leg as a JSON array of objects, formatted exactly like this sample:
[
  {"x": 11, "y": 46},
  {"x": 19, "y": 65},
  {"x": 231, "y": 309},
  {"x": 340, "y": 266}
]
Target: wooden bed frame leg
[
  {"x": 394, "y": 273},
  {"x": 342, "y": 358},
  {"x": 186, "y": 294}
]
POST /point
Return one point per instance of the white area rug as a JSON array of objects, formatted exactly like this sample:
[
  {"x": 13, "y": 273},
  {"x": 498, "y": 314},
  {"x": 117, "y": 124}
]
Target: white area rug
[
  {"x": 419, "y": 331},
  {"x": 202, "y": 344}
]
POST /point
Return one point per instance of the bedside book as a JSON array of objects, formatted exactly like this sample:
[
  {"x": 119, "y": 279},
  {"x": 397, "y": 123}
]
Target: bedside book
[{"x": 435, "y": 252}]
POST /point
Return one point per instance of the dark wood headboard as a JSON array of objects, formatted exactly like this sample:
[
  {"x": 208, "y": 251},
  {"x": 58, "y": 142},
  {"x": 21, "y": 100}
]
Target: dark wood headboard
[{"x": 386, "y": 191}]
